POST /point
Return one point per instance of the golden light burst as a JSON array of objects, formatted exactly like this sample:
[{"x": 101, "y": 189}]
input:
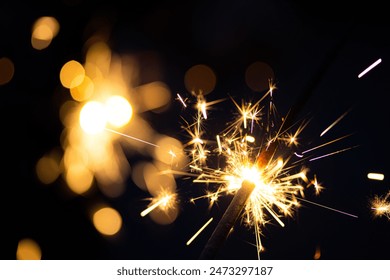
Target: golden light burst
[
  {"x": 258, "y": 146},
  {"x": 381, "y": 205}
]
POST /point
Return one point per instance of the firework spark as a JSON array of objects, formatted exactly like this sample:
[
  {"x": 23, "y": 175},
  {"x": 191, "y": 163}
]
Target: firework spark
[
  {"x": 257, "y": 146},
  {"x": 369, "y": 68},
  {"x": 164, "y": 202},
  {"x": 248, "y": 154},
  {"x": 381, "y": 205}
]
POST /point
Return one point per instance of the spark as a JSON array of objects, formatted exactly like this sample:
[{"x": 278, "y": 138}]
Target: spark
[
  {"x": 256, "y": 146},
  {"x": 375, "y": 176},
  {"x": 333, "y": 153},
  {"x": 199, "y": 231},
  {"x": 164, "y": 201},
  {"x": 329, "y": 208},
  {"x": 325, "y": 144},
  {"x": 182, "y": 101},
  {"x": 381, "y": 205},
  {"x": 334, "y": 123},
  {"x": 131, "y": 137},
  {"x": 369, "y": 68},
  {"x": 241, "y": 147}
]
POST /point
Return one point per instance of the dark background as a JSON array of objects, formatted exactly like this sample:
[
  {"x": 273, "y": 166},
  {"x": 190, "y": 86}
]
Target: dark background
[{"x": 312, "y": 46}]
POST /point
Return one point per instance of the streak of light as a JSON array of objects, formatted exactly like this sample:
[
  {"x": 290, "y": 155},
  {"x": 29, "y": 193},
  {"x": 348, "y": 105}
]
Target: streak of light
[
  {"x": 181, "y": 100},
  {"x": 164, "y": 200},
  {"x": 329, "y": 208},
  {"x": 131, "y": 137},
  {"x": 199, "y": 231},
  {"x": 369, "y": 68},
  {"x": 325, "y": 144},
  {"x": 334, "y": 123},
  {"x": 375, "y": 176},
  {"x": 330, "y": 154}
]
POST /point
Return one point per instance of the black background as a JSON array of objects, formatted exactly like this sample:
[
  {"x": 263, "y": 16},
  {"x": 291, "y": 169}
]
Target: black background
[{"x": 314, "y": 46}]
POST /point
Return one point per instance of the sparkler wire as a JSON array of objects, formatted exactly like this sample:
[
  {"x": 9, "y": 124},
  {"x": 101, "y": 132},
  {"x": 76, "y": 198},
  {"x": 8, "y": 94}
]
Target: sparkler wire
[{"x": 227, "y": 221}]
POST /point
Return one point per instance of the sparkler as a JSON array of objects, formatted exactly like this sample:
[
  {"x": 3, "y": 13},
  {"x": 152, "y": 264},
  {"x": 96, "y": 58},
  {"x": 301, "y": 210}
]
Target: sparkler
[
  {"x": 255, "y": 155},
  {"x": 381, "y": 205}
]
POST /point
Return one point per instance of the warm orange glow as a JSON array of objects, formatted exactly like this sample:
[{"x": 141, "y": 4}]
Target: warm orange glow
[
  {"x": 171, "y": 152},
  {"x": 118, "y": 110},
  {"x": 7, "y": 70},
  {"x": 43, "y": 32},
  {"x": 28, "y": 249},
  {"x": 107, "y": 221},
  {"x": 317, "y": 253},
  {"x": 200, "y": 79},
  {"x": 258, "y": 75},
  {"x": 153, "y": 96},
  {"x": 83, "y": 91},
  {"x": 79, "y": 178},
  {"x": 47, "y": 169},
  {"x": 72, "y": 74}
]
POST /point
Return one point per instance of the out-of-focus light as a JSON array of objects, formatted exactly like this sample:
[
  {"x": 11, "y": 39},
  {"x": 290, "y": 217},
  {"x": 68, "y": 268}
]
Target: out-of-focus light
[
  {"x": 93, "y": 117},
  {"x": 317, "y": 253},
  {"x": 107, "y": 221},
  {"x": 119, "y": 111},
  {"x": 47, "y": 169},
  {"x": 375, "y": 176},
  {"x": 7, "y": 70},
  {"x": 28, "y": 249},
  {"x": 258, "y": 76},
  {"x": 158, "y": 182},
  {"x": 43, "y": 32},
  {"x": 83, "y": 91},
  {"x": 200, "y": 79},
  {"x": 153, "y": 96},
  {"x": 79, "y": 178},
  {"x": 72, "y": 74},
  {"x": 171, "y": 152}
]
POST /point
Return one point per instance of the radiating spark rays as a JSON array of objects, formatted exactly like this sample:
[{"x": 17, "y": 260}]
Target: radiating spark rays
[
  {"x": 199, "y": 231},
  {"x": 334, "y": 123},
  {"x": 333, "y": 153},
  {"x": 369, "y": 68},
  {"x": 256, "y": 146},
  {"x": 131, "y": 137},
  {"x": 381, "y": 205}
]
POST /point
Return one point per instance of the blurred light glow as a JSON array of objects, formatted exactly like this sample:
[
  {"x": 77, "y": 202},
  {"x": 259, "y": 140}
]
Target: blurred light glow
[
  {"x": 7, "y": 70},
  {"x": 43, "y": 32},
  {"x": 47, "y": 169},
  {"x": 79, "y": 178},
  {"x": 107, "y": 221},
  {"x": 28, "y": 249},
  {"x": 317, "y": 253},
  {"x": 171, "y": 152},
  {"x": 258, "y": 76},
  {"x": 200, "y": 79},
  {"x": 72, "y": 74},
  {"x": 93, "y": 117},
  {"x": 158, "y": 182},
  {"x": 118, "y": 110},
  {"x": 83, "y": 91},
  {"x": 154, "y": 96}
]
